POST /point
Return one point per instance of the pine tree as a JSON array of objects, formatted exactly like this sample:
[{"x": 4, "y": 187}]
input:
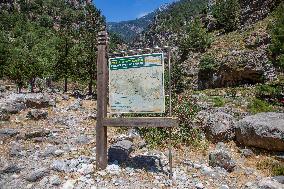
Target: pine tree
[
  {"x": 197, "y": 38},
  {"x": 277, "y": 35}
]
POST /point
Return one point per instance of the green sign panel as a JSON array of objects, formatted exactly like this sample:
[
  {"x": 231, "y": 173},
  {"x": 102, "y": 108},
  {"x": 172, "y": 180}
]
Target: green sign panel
[{"x": 136, "y": 84}]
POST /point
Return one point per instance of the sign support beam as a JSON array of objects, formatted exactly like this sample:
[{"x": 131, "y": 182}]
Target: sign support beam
[{"x": 102, "y": 78}]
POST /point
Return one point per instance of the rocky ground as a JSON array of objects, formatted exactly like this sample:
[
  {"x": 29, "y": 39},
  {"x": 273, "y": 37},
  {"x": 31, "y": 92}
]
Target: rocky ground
[{"x": 48, "y": 141}]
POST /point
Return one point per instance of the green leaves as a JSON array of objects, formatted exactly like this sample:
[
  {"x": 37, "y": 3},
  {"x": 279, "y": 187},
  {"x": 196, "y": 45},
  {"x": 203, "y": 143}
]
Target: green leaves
[
  {"x": 42, "y": 38},
  {"x": 277, "y": 38},
  {"x": 197, "y": 38},
  {"x": 227, "y": 13}
]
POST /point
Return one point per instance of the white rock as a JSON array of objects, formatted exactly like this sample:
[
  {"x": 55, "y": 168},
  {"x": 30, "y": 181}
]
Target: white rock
[
  {"x": 86, "y": 169},
  {"x": 55, "y": 180},
  {"x": 58, "y": 152},
  {"x": 199, "y": 186},
  {"x": 113, "y": 169},
  {"x": 224, "y": 187},
  {"x": 69, "y": 184}
]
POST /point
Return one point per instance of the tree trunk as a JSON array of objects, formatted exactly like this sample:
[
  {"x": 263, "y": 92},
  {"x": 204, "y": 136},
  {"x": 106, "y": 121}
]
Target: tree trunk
[
  {"x": 32, "y": 84},
  {"x": 20, "y": 86},
  {"x": 91, "y": 85},
  {"x": 65, "y": 84}
]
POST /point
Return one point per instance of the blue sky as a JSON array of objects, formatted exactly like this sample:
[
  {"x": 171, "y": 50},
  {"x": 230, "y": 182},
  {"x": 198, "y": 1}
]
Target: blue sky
[{"x": 122, "y": 10}]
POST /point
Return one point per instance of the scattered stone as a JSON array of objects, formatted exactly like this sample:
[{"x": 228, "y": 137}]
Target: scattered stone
[
  {"x": 59, "y": 152},
  {"x": 37, "y": 133},
  {"x": 77, "y": 105},
  {"x": 279, "y": 179},
  {"x": 4, "y": 116},
  {"x": 77, "y": 94},
  {"x": 207, "y": 170},
  {"x": 12, "y": 107},
  {"x": 86, "y": 169},
  {"x": 262, "y": 130},
  {"x": 218, "y": 126},
  {"x": 11, "y": 169},
  {"x": 37, "y": 114},
  {"x": 224, "y": 187},
  {"x": 265, "y": 183},
  {"x": 69, "y": 184},
  {"x": 113, "y": 169},
  {"x": 221, "y": 158},
  {"x": 37, "y": 101},
  {"x": 55, "y": 180},
  {"x": 59, "y": 165},
  {"x": 8, "y": 132},
  {"x": 16, "y": 151},
  {"x": 246, "y": 152},
  {"x": 36, "y": 175},
  {"x": 82, "y": 139},
  {"x": 120, "y": 151},
  {"x": 199, "y": 186},
  {"x": 65, "y": 97}
]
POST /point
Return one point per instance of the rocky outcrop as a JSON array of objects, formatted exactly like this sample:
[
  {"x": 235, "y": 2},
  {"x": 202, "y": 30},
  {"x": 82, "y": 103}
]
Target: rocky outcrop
[
  {"x": 265, "y": 183},
  {"x": 220, "y": 157},
  {"x": 264, "y": 130},
  {"x": 240, "y": 67},
  {"x": 37, "y": 114},
  {"x": 120, "y": 151},
  {"x": 218, "y": 126},
  {"x": 255, "y": 10}
]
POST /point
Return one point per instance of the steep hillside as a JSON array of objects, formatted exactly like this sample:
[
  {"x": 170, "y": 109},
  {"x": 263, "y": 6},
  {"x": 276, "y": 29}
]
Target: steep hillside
[
  {"x": 129, "y": 30},
  {"x": 239, "y": 52}
]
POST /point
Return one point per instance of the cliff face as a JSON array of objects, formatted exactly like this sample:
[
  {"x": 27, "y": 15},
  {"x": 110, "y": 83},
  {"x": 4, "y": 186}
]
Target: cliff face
[
  {"x": 242, "y": 55},
  {"x": 256, "y": 10}
]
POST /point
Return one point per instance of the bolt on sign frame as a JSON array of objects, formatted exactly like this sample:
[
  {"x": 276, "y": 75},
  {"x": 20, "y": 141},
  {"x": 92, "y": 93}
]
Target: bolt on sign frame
[{"x": 102, "y": 93}]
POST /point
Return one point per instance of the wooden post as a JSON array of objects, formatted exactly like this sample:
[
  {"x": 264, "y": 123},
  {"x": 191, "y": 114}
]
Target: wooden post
[{"x": 102, "y": 81}]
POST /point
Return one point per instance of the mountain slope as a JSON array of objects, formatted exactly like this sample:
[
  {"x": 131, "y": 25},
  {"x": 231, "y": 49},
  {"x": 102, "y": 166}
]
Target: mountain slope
[{"x": 129, "y": 30}]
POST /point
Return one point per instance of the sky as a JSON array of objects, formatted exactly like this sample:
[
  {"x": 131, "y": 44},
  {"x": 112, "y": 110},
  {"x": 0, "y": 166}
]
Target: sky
[{"x": 123, "y": 10}]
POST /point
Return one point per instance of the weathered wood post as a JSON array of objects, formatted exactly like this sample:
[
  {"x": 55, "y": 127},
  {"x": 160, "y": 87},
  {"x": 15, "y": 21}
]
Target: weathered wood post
[{"x": 102, "y": 80}]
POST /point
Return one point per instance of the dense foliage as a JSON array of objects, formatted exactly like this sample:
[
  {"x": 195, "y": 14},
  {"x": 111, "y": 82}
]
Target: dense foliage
[
  {"x": 197, "y": 38},
  {"x": 208, "y": 63},
  {"x": 178, "y": 14},
  {"x": 277, "y": 35},
  {"x": 40, "y": 39},
  {"x": 227, "y": 13}
]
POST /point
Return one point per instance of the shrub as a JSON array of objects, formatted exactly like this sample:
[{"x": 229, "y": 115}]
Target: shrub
[
  {"x": 185, "y": 109},
  {"x": 277, "y": 38},
  {"x": 208, "y": 64},
  {"x": 274, "y": 167},
  {"x": 218, "y": 102},
  {"x": 258, "y": 105},
  {"x": 271, "y": 92},
  {"x": 227, "y": 13},
  {"x": 197, "y": 38}
]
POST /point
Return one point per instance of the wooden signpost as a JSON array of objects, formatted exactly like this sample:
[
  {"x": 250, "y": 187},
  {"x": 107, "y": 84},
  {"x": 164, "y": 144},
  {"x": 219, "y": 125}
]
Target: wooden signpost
[{"x": 102, "y": 103}]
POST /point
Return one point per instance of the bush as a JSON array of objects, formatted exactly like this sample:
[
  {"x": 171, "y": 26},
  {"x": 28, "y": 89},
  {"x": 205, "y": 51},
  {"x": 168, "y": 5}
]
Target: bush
[
  {"x": 227, "y": 13},
  {"x": 258, "y": 106},
  {"x": 277, "y": 38},
  {"x": 197, "y": 38},
  {"x": 208, "y": 64},
  {"x": 185, "y": 109},
  {"x": 269, "y": 91},
  {"x": 218, "y": 102},
  {"x": 274, "y": 167}
]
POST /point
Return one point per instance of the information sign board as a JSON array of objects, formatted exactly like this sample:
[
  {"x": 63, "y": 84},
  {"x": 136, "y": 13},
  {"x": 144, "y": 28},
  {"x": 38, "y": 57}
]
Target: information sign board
[{"x": 136, "y": 84}]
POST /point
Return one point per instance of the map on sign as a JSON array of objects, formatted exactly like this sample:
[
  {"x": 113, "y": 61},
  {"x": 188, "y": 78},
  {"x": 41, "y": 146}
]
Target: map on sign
[{"x": 136, "y": 84}]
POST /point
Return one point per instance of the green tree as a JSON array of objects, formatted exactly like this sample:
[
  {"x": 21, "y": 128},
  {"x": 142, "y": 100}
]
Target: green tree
[
  {"x": 86, "y": 65},
  {"x": 197, "y": 38},
  {"x": 227, "y": 13},
  {"x": 277, "y": 38}
]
